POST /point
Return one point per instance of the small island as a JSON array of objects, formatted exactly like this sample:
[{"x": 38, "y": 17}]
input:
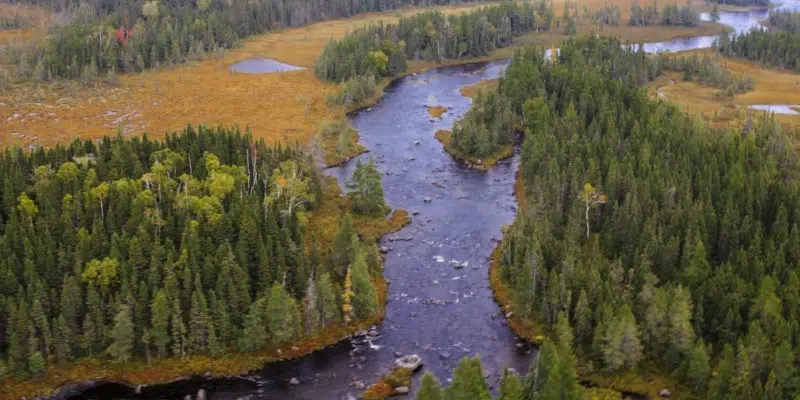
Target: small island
[
  {"x": 437, "y": 111},
  {"x": 484, "y": 136}
]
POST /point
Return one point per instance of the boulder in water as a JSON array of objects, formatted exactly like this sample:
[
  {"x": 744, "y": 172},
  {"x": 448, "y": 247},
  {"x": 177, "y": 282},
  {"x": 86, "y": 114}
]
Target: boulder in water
[
  {"x": 294, "y": 381},
  {"x": 201, "y": 394},
  {"x": 665, "y": 393},
  {"x": 401, "y": 390},
  {"x": 411, "y": 361}
]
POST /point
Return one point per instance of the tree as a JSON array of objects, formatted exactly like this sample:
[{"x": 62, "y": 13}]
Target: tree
[
  {"x": 468, "y": 381},
  {"x": 281, "y": 311},
  {"x": 591, "y": 196},
  {"x": 365, "y": 299},
  {"x": 621, "y": 346},
  {"x": 345, "y": 245},
  {"x": 254, "y": 334},
  {"x": 510, "y": 386},
  {"x": 347, "y": 298},
  {"x": 326, "y": 304},
  {"x": 429, "y": 388},
  {"x": 698, "y": 370},
  {"x": 159, "y": 322},
  {"x": 366, "y": 189},
  {"x": 288, "y": 186},
  {"x": 102, "y": 274},
  {"x": 121, "y": 347},
  {"x": 27, "y": 208},
  {"x": 715, "y": 13},
  {"x": 36, "y": 364}
]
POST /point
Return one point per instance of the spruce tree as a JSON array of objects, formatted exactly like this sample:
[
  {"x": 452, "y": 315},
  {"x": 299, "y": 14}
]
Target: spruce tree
[
  {"x": 343, "y": 251},
  {"x": 281, "y": 322},
  {"x": 468, "y": 381},
  {"x": 121, "y": 348},
  {"x": 254, "y": 332},
  {"x": 326, "y": 305},
  {"x": 159, "y": 322},
  {"x": 510, "y": 386},
  {"x": 365, "y": 300},
  {"x": 698, "y": 370},
  {"x": 429, "y": 388}
]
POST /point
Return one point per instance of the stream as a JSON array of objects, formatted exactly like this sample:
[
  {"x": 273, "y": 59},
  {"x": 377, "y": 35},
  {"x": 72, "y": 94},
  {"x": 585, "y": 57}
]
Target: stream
[{"x": 440, "y": 304}]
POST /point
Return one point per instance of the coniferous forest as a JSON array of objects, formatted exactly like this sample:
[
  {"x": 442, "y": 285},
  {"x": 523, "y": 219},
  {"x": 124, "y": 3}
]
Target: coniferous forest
[
  {"x": 125, "y": 36},
  {"x": 382, "y": 49},
  {"x": 198, "y": 245},
  {"x": 780, "y": 49},
  {"x": 660, "y": 240}
]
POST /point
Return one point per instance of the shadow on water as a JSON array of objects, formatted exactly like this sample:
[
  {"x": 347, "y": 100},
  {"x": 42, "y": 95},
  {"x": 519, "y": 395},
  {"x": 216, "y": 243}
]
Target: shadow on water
[{"x": 440, "y": 304}]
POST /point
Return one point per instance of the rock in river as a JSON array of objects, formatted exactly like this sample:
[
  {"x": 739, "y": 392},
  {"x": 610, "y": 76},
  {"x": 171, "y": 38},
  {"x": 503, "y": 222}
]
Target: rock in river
[
  {"x": 401, "y": 390},
  {"x": 428, "y": 199},
  {"x": 294, "y": 381},
  {"x": 411, "y": 361}
]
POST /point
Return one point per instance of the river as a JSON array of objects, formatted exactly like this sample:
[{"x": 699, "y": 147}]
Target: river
[{"x": 440, "y": 304}]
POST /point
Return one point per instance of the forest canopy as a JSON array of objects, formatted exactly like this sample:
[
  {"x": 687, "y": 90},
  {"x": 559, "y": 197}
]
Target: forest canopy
[
  {"x": 661, "y": 240},
  {"x": 196, "y": 245}
]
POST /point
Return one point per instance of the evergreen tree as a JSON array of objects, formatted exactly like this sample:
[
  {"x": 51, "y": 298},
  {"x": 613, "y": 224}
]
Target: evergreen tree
[
  {"x": 429, "y": 388},
  {"x": 159, "y": 322},
  {"x": 254, "y": 333},
  {"x": 365, "y": 299},
  {"x": 698, "y": 370},
  {"x": 343, "y": 251},
  {"x": 281, "y": 311},
  {"x": 468, "y": 381},
  {"x": 121, "y": 347},
  {"x": 510, "y": 386}
]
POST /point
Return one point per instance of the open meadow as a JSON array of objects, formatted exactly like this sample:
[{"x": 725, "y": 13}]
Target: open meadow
[{"x": 771, "y": 86}]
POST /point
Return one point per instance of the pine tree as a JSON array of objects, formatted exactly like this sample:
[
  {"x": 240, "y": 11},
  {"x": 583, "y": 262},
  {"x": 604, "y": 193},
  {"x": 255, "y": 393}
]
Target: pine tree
[
  {"x": 159, "y": 322},
  {"x": 343, "y": 250},
  {"x": 254, "y": 333},
  {"x": 178, "y": 330},
  {"x": 281, "y": 309},
  {"x": 64, "y": 339},
  {"x": 198, "y": 322},
  {"x": 468, "y": 381},
  {"x": 365, "y": 300},
  {"x": 326, "y": 304},
  {"x": 510, "y": 386},
  {"x": 36, "y": 364},
  {"x": 121, "y": 347},
  {"x": 429, "y": 388},
  {"x": 698, "y": 370},
  {"x": 347, "y": 298}
]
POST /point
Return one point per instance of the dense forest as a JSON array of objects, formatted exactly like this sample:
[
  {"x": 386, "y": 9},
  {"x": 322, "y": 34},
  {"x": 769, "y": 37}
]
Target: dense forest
[
  {"x": 661, "y": 240},
  {"x": 785, "y": 20},
  {"x": 670, "y": 15},
  {"x": 138, "y": 249},
  {"x": 111, "y": 36},
  {"x": 382, "y": 49},
  {"x": 779, "y": 49}
]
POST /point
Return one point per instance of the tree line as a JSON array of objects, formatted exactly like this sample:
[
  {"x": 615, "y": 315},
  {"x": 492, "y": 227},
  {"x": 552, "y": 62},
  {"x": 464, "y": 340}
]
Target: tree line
[
  {"x": 708, "y": 73},
  {"x": 671, "y": 14},
  {"x": 551, "y": 376},
  {"x": 661, "y": 240},
  {"x": 127, "y": 249},
  {"x": 127, "y": 36},
  {"x": 780, "y": 49},
  {"x": 785, "y": 20},
  {"x": 382, "y": 49}
]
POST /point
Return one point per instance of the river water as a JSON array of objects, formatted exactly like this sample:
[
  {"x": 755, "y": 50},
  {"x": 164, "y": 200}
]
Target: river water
[{"x": 440, "y": 304}]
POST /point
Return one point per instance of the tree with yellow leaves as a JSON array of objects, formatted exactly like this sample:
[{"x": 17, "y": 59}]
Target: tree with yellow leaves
[
  {"x": 591, "y": 196},
  {"x": 347, "y": 296}
]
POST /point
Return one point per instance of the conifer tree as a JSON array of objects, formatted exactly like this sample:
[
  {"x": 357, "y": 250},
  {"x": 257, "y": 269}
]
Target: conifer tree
[
  {"x": 254, "y": 333},
  {"x": 468, "y": 381},
  {"x": 121, "y": 347},
  {"x": 365, "y": 299},
  {"x": 343, "y": 251},
  {"x": 510, "y": 386},
  {"x": 326, "y": 304},
  {"x": 347, "y": 298},
  {"x": 281, "y": 309},
  {"x": 429, "y": 388},
  {"x": 198, "y": 322},
  {"x": 159, "y": 322},
  {"x": 698, "y": 370}
]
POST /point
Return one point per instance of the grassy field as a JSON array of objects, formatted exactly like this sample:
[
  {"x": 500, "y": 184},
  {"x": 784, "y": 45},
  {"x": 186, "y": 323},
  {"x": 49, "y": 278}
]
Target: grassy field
[
  {"x": 38, "y": 21},
  {"x": 284, "y": 107},
  {"x": 771, "y": 86}
]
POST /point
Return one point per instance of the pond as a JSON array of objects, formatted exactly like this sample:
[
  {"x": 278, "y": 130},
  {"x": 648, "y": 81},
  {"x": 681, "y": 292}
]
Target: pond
[{"x": 261, "y": 65}]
